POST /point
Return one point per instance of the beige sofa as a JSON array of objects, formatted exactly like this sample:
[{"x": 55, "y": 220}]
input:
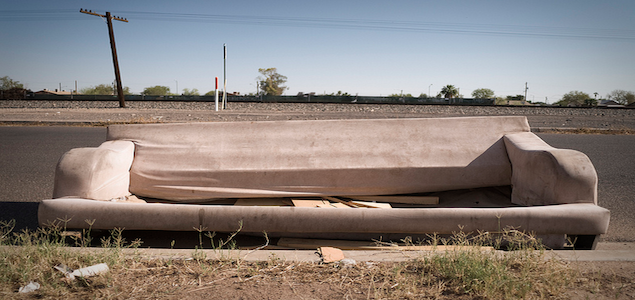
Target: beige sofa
[{"x": 488, "y": 173}]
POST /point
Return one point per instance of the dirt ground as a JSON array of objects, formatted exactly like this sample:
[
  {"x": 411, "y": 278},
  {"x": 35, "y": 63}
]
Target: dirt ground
[
  {"x": 604, "y": 280},
  {"x": 608, "y": 280},
  {"x": 104, "y": 112},
  {"x": 279, "y": 280}
]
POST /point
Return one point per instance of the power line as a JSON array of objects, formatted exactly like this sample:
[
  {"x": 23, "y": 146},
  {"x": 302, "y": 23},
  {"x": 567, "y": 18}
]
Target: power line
[
  {"x": 391, "y": 25},
  {"x": 354, "y": 24}
]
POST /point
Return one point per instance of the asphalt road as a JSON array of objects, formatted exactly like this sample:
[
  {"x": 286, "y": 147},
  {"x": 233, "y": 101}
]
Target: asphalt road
[{"x": 28, "y": 156}]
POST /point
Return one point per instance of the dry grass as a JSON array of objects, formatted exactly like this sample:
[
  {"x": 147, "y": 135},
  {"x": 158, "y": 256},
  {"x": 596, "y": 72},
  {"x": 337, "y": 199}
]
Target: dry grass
[{"x": 466, "y": 273}]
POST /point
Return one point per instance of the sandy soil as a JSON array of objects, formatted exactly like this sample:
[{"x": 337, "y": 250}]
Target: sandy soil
[{"x": 107, "y": 112}]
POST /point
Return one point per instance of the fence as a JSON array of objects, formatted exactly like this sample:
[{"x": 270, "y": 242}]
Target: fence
[{"x": 302, "y": 98}]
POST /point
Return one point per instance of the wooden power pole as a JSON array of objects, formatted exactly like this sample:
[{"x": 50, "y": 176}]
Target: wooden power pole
[{"x": 109, "y": 18}]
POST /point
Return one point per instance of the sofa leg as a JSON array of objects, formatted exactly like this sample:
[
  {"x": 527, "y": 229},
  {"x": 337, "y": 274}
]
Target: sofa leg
[
  {"x": 584, "y": 242},
  {"x": 553, "y": 241}
]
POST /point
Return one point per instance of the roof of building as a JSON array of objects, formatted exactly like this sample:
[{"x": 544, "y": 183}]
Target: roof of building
[{"x": 55, "y": 92}]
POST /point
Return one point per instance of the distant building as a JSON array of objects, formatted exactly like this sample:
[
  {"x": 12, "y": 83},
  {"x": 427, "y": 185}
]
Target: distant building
[
  {"x": 55, "y": 92},
  {"x": 609, "y": 103}
]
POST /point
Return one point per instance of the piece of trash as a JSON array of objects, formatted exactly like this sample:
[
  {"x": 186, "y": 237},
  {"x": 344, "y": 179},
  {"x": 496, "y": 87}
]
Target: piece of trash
[
  {"x": 348, "y": 262},
  {"x": 83, "y": 272},
  {"x": 330, "y": 254},
  {"x": 63, "y": 268},
  {"x": 91, "y": 271},
  {"x": 32, "y": 286}
]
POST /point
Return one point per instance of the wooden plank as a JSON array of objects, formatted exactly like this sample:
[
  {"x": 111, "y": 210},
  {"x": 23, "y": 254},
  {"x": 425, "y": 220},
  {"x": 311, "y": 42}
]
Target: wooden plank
[
  {"x": 400, "y": 199},
  {"x": 373, "y": 204},
  {"x": 336, "y": 200},
  {"x": 358, "y": 204},
  {"x": 309, "y": 244},
  {"x": 263, "y": 202},
  {"x": 310, "y": 203},
  {"x": 340, "y": 205},
  {"x": 349, "y": 203}
]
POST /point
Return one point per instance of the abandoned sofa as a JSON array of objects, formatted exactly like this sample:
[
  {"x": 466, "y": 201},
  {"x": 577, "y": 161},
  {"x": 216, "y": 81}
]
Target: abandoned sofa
[{"x": 488, "y": 173}]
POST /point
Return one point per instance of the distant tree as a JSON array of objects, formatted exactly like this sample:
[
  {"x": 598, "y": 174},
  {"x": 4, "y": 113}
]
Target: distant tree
[
  {"x": 400, "y": 95},
  {"x": 515, "y": 98},
  {"x": 483, "y": 93},
  {"x": 449, "y": 91},
  {"x": 622, "y": 96},
  {"x": 11, "y": 89},
  {"x": 7, "y": 83},
  {"x": 210, "y": 93},
  {"x": 102, "y": 89},
  {"x": 500, "y": 101},
  {"x": 192, "y": 92},
  {"x": 157, "y": 90},
  {"x": 574, "y": 98},
  {"x": 271, "y": 83},
  {"x": 423, "y": 95},
  {"x": 590, "y": 102},
  {"x": 339, "y": 93}
]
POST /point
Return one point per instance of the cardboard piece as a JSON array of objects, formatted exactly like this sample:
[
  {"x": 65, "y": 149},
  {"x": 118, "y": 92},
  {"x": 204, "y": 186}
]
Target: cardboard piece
[
  {"x": 310, "y": 203},
  {"x": 400, "y": 199},
  {"x": 330, "y": 254}
]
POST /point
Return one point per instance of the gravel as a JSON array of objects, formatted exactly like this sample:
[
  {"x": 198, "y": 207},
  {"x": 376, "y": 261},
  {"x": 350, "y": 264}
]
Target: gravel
[{"x": 174, "y": 111}]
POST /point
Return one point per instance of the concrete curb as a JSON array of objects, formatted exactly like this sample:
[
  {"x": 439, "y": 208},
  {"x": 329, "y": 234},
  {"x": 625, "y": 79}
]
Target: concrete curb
[{"x": 616, "y": 252}]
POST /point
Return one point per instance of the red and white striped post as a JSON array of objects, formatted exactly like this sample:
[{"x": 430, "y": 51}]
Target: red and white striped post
[{"x": 216, "y": 95}]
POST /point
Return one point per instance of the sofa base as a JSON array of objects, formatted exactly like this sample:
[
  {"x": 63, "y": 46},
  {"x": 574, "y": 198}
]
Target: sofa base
[{"x": 556, "y": 220}]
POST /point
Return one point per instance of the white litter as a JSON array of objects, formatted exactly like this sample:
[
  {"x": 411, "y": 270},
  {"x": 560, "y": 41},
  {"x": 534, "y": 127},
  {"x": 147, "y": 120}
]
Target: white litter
[
  {"x": 32, "y": 286},
  {"x": 83, "y": 272},
  {"x": 348, "y": 262}
]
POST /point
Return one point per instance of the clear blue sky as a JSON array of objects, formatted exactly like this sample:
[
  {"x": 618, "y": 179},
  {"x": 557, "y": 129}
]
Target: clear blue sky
[{"x": 359, "y": 47}]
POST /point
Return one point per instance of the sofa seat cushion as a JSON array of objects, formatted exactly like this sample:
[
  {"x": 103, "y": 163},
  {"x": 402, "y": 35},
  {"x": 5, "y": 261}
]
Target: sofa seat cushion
[
  {"x": 194, "y": 161},
  {"x": 574, "y": 219}
]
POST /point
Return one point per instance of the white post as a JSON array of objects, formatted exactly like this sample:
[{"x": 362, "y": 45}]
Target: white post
[{"x": 216, "y": 95}]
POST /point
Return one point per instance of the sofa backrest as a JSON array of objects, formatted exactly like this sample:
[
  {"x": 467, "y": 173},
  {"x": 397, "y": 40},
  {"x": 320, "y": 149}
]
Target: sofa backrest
[{"x": 191, "y": 161}]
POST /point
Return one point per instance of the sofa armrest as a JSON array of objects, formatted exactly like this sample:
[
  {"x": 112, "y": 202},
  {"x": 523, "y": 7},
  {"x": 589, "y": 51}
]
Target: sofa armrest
[
  {"x": 101, "y": 173},
  {"x": 543, "y": 175}
]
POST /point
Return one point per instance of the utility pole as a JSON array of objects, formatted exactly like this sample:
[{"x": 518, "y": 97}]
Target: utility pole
[
  {"x": 113, "y": 49},
  {"x": 526, "y": 88},
  {"x": 224, "y": 76}
]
